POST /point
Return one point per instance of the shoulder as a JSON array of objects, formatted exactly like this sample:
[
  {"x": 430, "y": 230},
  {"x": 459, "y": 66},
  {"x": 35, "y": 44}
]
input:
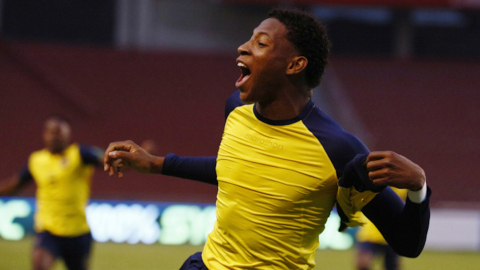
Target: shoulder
[
  {"x": 340, "y": 145},
  {"x": 233, "y": 102},
  {"x": 38, "y": 160},
  {"x": 328, "y": 130},
  {"x": 39, "y": 154}
]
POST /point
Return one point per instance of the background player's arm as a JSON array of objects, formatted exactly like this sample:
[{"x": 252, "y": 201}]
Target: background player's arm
[
  {"x": 127, "y": 154},
  {"x": 9, "y": 185},
  {"x": 92, "y": 155},
  {"x": 14, "y": 183}
]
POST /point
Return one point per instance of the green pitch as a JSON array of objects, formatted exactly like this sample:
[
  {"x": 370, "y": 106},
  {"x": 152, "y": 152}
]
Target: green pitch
[{"x": 110, "y": 256}]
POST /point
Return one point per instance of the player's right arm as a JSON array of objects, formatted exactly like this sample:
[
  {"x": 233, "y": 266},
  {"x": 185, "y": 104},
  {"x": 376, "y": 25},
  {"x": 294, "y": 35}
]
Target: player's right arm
[{"x": 127, "y": 154}]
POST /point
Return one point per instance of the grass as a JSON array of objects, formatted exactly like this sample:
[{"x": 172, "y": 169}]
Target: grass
[{"x": 109, "y": 256}]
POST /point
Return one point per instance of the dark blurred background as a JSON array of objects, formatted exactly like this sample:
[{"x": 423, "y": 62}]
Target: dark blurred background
[{"x": 404, "y": 76}]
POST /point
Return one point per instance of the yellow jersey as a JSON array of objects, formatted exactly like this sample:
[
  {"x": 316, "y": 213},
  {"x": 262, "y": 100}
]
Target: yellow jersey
[
  {"x": 63, "y": 188},
  {"x": 277, "y": 184}
]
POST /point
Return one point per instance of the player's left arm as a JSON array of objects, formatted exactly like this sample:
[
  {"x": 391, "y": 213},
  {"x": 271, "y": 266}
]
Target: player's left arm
[{"x": 403, "y": 225}]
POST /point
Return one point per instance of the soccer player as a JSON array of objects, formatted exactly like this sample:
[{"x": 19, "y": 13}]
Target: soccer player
[
  {"x": 371, "y": 243},
  {"x": 283, "y": 164},
  {"x": 62, "y": 172}
]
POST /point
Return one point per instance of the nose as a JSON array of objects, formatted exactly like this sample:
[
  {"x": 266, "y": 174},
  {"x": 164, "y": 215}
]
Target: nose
[{"x": 243, "y": 49}]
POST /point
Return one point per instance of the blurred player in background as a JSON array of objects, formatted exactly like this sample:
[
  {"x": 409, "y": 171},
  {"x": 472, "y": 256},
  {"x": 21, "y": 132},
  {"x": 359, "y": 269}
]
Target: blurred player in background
[
  {"x": 283, "y": 163},
  {"x": 371, "y": 244},
  {"x": 62, "y": 172}
]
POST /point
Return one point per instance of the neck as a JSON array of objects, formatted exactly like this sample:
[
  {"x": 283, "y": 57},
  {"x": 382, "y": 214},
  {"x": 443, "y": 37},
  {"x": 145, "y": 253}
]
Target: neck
[{"x": 287, "y": 104}]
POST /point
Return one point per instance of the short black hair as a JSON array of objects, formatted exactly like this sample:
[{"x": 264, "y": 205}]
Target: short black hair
[{"x": 309, "y": 37}]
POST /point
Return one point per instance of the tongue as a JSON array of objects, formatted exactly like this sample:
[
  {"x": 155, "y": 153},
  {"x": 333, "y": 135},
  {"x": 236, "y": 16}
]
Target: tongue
[{"x": 241, "y": 80}]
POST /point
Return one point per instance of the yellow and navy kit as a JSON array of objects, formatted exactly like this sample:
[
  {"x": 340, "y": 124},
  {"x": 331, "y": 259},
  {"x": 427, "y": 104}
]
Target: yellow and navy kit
[
  {"x": 63, "y": 188},
  {"x": 277, "y": 184}
]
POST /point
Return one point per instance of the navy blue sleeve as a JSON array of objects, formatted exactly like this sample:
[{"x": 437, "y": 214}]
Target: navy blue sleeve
[
  {"x": 233, "y": 102},
  {"x": 404, "y": 226},
  {"x": 25, "y": 175},
  {"x": 91, "y": 155},
  {"x": 355, "y": 174},
  {"x": 194, "y": 168}
]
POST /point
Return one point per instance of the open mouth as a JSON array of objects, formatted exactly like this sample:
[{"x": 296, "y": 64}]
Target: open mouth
[{"x": 245, "y": 74}]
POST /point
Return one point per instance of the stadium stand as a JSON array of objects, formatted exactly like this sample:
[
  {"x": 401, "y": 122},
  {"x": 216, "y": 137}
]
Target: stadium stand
[{"x": 427, "y": 110}]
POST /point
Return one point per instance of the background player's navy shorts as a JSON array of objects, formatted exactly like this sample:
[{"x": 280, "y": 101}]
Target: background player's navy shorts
[
  {"x": 73, "y": 250},
  {"x": 391, "y": 258},
  {"x": 194, "y": 262}
]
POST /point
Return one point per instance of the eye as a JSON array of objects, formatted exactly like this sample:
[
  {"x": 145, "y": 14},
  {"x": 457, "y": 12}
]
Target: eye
[{"x": 261, "y": 44}]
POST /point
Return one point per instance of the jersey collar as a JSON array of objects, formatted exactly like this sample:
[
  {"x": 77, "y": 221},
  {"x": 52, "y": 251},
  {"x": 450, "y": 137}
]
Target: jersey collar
[{"x": 303, "y": 114}]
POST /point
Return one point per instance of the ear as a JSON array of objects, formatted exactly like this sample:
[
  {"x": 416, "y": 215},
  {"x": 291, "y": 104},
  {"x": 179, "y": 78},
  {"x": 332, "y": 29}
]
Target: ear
[{"x": 297, "y": 64}]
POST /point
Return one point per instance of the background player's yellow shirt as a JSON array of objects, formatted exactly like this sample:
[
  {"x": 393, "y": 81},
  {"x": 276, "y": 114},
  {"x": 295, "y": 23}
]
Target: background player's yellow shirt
[
  {"x": 277, "y": 184},
  {"x": 63, "y": 189}
]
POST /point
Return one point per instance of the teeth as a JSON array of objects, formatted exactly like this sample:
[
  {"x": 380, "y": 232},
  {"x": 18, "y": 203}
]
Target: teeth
[{"x": 240, "y": 64}]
